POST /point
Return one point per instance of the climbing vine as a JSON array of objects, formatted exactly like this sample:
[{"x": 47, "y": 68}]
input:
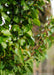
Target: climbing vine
[{"x": 20, "y": 44}]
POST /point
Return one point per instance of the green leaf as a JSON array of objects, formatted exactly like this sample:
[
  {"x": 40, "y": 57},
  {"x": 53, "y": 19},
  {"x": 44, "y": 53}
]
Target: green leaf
[
  {"x": 49, "y": 43},
  {"x": 0, "y": 21},
  {"x": 29, "y": 20},
  {"x": 27, "y": 53},
  {"x": 40, "y": 8},
  {"x": 22, "y": 41},
  {"x": 16, "y": 19},
  {"x": 16, "y": 28},
  {"x": 6, "y": 17},
  {"x": 30, "y": 33},
  {"x": 21, "y": 56},
  {"x": 49, "y": 33},
  {"x": 1, "y": 39},
  {"x": 1, "y": 65},
  {"x": 52, "y": 30},
  {"x": 1, "y": 7},
  {"x": 4, "y": 45},
  {"x": 36, "y": 22},
  {"x": 6, "y": 32},
  {"x": 25, "y": 7}
]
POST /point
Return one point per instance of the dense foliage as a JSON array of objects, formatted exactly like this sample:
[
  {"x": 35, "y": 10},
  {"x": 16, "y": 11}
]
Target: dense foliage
[{"x": 19, "y": 46}]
